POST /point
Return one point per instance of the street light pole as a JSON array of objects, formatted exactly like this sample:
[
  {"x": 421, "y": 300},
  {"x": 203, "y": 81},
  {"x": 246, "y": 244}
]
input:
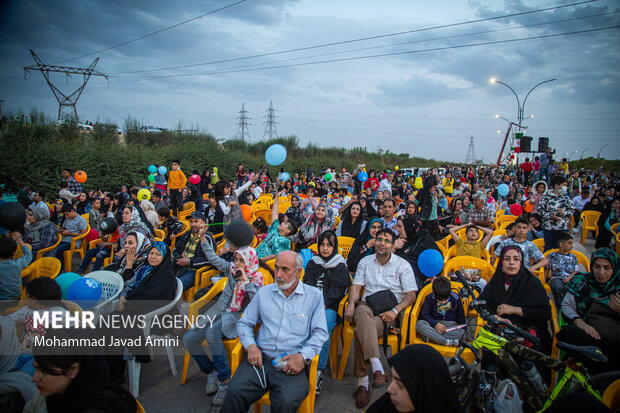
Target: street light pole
[
  {"x": 520, "y": 107},
  {"x": 582, "y": 152},
  {"x": 598, "y": 154},
  {"x": 571, "y": 155}
]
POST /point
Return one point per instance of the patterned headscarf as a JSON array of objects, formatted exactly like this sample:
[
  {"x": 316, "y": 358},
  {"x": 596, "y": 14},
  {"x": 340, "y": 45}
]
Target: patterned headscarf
[
  {"x": 313, "y": 227},
  {"x": 250, "y": 257},
  {"x": 587, "y": 290},
  {"x": 146, "y": 268}
]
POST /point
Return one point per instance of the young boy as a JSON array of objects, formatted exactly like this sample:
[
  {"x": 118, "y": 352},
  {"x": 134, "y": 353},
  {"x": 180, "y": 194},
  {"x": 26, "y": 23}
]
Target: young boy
[
  {"x": 176, "y": 182},
  {"x": 561, "y": 268},
  {"x": 169, "y": 223},
  {"x": 510, "y": 232},
  {"x": 94, "y": 216},
  {"x": 470, "y": 247},
  {"x": 11, "y": 281},
  {"x": 442, "y": 310},
  {"x": 533, "y": 259}
]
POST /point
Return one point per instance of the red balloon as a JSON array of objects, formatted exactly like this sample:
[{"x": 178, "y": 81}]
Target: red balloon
[
  {"x": 516, "y": 210},
  {"x": 194, "y": 179}
]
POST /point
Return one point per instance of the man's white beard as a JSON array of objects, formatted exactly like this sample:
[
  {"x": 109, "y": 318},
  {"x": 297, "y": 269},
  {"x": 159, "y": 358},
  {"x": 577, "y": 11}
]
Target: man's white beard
[{"x": 286, "y": 286}]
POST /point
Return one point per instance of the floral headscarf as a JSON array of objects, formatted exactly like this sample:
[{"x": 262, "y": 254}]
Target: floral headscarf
[
  {"x": 250, "y": 257},
  {"x": 313, "y": 226},
  {"x": 587, "y": 290},
  {"x": 135, "y": 224}
]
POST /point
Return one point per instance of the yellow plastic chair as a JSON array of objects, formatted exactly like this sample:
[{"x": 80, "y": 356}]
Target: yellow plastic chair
[
  {"x": 19, "y": 253},
  {"x": 446, "y": 351},
  {"x": 334, "y": 343},
  {"x": 160, "y": 234},
  {"x": 86, "y": 217},
  {"x": 307, "y": 406},
  {"x": 463, "y": 231},
  {"x": 581, "y": 258},
  {"x": 43, "y": 267},
  {"x": 260, "y": 207},
  {"x": 337, "y": 222},
  {"x": 499, "y": 232},
  {"x": 392, "y": 341},
  {"x": 441, "y": 248},
  {"x": 193, "y": 311},
  {"x": 611, "y": 397},
  {"x": 486, "y": 269},
  {"x": 499, "y": 212},
  {"x": 202, "y": 278},
  {"x": 51, "y": 248},
  {"x": 345, "y": 244},
  {"x": 614, "y": 228},
  {"x": 452, "y": 251},
  {"x": 188, "y": 208},
  {"x": 502, "y": 221},
  {"x": 540, "y": 243},
  {"x": 68, "y": 255},
  {"x": 140, "y": 409},
  {"x": 264, "y": 214},
  {"x": 590, "y": 224}
]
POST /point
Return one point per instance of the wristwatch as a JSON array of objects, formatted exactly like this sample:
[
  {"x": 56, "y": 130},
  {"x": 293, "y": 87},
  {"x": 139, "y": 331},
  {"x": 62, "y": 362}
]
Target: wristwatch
[{"x": 307, "y": 361}]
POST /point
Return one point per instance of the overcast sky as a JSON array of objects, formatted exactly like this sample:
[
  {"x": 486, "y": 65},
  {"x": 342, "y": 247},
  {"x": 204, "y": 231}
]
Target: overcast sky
[{"x": 427, "y": 102}]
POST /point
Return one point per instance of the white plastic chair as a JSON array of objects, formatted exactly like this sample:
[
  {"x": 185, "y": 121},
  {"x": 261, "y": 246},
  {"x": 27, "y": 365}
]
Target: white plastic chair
[
  {"x": 112, "y": 285},
  {"x": 134, "y": 366}
]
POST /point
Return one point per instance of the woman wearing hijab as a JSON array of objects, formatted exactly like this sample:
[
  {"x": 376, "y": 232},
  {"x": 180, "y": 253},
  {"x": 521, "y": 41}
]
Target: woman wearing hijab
[
  {"x": 76, "y": 383},
  {"x": 411, "y": 242},
  {"x": 457, "y": 216},
  {"x": 516, "y": 296},
  {"x": 149, "y": 211},
  {"x": 322, "y": 219},
  {"x": 428, "y": 207},
  {"x": 352, "y": 224},
  {"x": 591, "y": 307},
  {"x": 196, "y": 197},
  {"x": 536, "y": 229},
  {"x": 421, "y": 383},
  {"x": 16, "y": 387},
  {"x": 40, "y": 231},
  {"x": 329, "y": 273},
  {"x": 56, "y": 217},
  {"x": 135, "y": 242},
  {"x": 367, "y": 210},
  {"x": 364, "y": 245},
  {"x": 83, "y": 206},
  {"x": 595, "y": 204},
  {"x": 132, "y": 222},
  {"x": 608, "y": 218},
  {"x": 244, "y": 280},
  {"x": 294, "y": 212}
]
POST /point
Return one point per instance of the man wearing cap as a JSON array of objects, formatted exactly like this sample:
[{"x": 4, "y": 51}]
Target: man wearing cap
[{"x": 187, "y": 254}]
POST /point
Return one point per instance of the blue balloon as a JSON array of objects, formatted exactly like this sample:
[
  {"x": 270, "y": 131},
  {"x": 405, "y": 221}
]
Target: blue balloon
[
  {"x": 86, "y": 292},
  {"x": 284, "y": 176},
  {"x": 65, "y": 280},
  {"x": 430, "y": 262},
  {"x": 152, "y": 169},
  {"x": 503, "y": 189},
  {"x": 362, "y": 176},
  {"x": 162, "y": 170},
  {"x": 275, "y": 154}
]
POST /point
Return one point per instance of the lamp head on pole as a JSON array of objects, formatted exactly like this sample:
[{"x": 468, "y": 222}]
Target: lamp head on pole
[{"x": 492, "y": 80}]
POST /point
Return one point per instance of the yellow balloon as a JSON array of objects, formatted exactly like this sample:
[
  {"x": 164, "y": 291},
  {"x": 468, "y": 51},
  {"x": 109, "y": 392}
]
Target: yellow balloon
[
  {"x": 418, "y": 184},
  {"x": 144, "y": 194},
  {"x": 396, "y": 168}
]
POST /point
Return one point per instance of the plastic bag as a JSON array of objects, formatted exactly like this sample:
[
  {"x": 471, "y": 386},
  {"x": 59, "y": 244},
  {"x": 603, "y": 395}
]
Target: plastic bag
[{"x": 507, "y": 398}]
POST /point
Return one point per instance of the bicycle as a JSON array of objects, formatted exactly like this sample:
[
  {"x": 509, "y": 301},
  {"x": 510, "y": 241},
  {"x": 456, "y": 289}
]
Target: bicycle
[{"x": 501, "y": 338}]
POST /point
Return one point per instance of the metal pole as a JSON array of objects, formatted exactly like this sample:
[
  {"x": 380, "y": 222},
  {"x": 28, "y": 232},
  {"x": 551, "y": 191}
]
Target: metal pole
[
  {"x": 582, "y": 152},
  {"x": 499, "y": 158},
  {"x": 528, "y": 94},
  {"x": 598, "y": 154}
]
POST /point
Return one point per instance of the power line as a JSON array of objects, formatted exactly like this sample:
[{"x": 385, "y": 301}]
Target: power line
[
  {"x": 358, "y": 39},
  {"x": 125, "y": 99},
  {"x": 155, "y": 32},
  {"x": 346, "y": 59}
]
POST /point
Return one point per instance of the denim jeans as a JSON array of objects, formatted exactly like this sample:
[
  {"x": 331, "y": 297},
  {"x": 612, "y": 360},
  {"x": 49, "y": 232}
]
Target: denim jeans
[
  {"x": 545, "y": 172},
  {"x": 213, "y": 334},
  {"x": 331, "y": 318},
  {"x": 187, "y": 278},
  {"x": 99, "y": 253}
]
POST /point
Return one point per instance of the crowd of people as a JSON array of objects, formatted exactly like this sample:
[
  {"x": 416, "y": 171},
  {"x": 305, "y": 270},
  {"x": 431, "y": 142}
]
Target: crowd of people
[{"x": 392, "y": 216}]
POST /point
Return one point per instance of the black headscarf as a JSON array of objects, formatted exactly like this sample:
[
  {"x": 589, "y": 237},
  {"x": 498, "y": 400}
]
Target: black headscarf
[
  {"x": 348, "y": 227},
  {"x": 525, "y": 291},
  {"x": 160, "y": 284},
  {"x": 332, "y": 239},
  {"x": 418, "y": 241},
  {"x": 368, "y": 211},
  {"x": 424, "y": 373}
]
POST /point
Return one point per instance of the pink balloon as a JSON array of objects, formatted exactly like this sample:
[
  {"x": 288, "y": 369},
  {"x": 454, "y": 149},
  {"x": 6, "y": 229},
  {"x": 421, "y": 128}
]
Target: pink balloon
[
  {"x": 516, "y": 210},
  {"x": 194, "y": 179}
]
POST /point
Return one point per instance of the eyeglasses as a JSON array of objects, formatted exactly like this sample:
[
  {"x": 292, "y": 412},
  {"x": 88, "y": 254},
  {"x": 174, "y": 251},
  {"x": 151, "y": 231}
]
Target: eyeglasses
[{"x": 384, "y": 240}]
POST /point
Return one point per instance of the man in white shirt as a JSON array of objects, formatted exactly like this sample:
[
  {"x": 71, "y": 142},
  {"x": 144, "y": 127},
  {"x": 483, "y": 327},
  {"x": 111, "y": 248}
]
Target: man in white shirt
[
  {"x": 378, "y": 272},
  {"x": 386, "y": 184},
  {"x": 579, "y": 202},
  {"x": 38, "y": 199}
]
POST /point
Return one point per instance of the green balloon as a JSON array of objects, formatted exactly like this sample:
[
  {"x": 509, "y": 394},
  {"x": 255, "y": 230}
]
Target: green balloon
[
  {"x": 328, "y": 177},
  {"x": 151, "y": 178}
]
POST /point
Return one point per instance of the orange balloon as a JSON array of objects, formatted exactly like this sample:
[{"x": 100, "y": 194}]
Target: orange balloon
[
  {"x": 247, "y": 212},
  {"x": 80, "y": 176}
]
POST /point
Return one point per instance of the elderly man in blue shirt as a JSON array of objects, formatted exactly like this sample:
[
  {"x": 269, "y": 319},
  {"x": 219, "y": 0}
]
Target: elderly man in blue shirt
[{"x": 291, "y": 315}]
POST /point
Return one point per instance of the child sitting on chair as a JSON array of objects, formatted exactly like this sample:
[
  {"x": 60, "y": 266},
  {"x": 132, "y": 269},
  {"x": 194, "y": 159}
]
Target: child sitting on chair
[
  {"x": 11, "y": 281},
  {"x": 561, "y": 268},
  {"x": 442, "y": 317},
  {"x": 260, "y": 229},
  {"x": 42, "y": 295}
]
